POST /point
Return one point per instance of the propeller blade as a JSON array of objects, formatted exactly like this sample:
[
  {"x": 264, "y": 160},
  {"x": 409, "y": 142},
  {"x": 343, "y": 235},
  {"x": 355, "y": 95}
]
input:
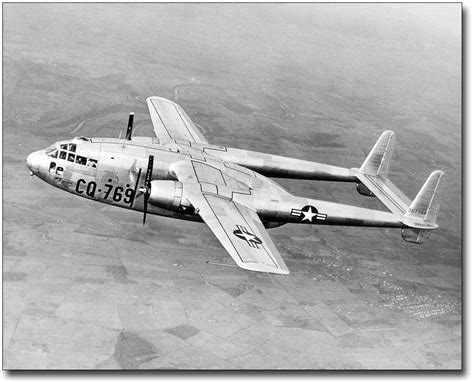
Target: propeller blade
[
  {"x": 128, "y": 136},
  {"x": 149, "y": 171},
  {"x": 145, "y": 204},
  {"x": 147, "y": 187}
]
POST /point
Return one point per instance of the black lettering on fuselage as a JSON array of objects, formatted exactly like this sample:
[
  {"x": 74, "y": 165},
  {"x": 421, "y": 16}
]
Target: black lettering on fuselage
[
  {"x": 78, "y": 184},
  {"x": 116, "y": 193},
  {"x": 91, "y": 189}
]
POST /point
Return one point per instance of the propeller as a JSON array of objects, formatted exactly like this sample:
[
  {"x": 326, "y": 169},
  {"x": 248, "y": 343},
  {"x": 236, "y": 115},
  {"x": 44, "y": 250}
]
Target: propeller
[
  {"x": 128, "y": 136},
  {"x": 147, "y": 187}
]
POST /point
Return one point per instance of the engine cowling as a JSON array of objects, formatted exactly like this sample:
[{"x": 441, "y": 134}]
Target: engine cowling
[
  {"x": 363, "y": 190},
  {"x": 168, "y": 194},
  {"x": 272, "y": 224}
]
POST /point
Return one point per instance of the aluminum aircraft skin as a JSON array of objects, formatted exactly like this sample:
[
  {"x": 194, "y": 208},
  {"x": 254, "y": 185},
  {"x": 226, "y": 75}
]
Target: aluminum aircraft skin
[{"x": 179, "y": 174}]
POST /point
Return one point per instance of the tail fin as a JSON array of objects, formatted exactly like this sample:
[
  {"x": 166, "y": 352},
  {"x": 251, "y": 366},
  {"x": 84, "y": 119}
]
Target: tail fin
[
  {"x": 418, "y": 215},
  {"x": 422, "y": 213},
  {"x": 378, "y": 161},
  {"x": 424, "y": 208},
  {"x": 373, "y": 176}
]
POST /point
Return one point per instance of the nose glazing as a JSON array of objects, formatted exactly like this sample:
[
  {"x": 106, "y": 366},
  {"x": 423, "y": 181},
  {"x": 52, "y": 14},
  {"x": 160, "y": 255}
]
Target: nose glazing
[{"x": 33, "y": 161}]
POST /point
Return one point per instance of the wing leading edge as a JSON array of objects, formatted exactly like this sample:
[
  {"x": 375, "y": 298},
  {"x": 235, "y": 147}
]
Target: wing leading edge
[{"x": 170, "y": 121}]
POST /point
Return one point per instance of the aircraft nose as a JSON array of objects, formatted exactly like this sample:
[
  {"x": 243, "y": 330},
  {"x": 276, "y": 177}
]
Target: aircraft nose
[{"x": 33, "y": 161}]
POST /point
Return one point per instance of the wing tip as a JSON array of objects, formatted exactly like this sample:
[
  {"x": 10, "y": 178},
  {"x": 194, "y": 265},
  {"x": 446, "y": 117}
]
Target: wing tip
[{"x": 156, "y": 98}]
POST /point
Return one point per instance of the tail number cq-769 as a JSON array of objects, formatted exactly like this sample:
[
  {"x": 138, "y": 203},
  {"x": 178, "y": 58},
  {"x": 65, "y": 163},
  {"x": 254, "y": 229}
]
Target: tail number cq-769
[{"x": 116, "y": 193}]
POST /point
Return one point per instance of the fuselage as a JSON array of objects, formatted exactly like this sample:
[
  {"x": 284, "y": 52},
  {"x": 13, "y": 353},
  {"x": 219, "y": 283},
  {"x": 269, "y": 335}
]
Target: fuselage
[{"x": 112, "y": 171}]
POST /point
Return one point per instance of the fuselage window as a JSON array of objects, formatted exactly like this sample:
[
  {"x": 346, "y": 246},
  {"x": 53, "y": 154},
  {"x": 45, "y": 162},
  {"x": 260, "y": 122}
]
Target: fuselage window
[
  {"x": 91, "y": 163},
  {"x": 52, "y": 167},
  {"x": 72, "y": 147},
  {"x": 59, "y": 171},
  {"x": 63, "y": 147},
  {"x": 71, "y": 157},
  {"x": 81, "y": 160},
  {"x": 62, "y": 155}
]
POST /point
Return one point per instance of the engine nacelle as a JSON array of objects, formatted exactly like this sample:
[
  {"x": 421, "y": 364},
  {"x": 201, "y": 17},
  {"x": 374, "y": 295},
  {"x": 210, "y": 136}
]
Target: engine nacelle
[
  {"x": 272, "y": 224},
  {"x": 363, "y": 190},
  {"x": 168, "y": 194}
]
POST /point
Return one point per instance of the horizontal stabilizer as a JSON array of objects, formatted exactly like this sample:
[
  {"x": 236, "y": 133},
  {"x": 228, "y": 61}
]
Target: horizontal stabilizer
[{"x": 391, "y": 196}]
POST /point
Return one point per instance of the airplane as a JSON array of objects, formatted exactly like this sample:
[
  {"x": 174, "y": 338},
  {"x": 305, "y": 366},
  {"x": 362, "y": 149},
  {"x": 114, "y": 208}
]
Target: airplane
[{"x": 180, "y": 175}]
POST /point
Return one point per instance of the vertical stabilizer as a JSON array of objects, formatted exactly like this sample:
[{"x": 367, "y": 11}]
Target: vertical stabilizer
[
  {"x": 373, "y": 176},
  {"x": 425, "y": 206},
  {"x": 377, "y": 162},
  {"x": 421, "y": 215}
]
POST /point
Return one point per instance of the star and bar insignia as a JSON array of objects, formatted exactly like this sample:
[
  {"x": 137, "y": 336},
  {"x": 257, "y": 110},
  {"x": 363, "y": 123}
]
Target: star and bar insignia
[
  {"x": 308, "y": 214},
  {"x": 243, "y": 233}
]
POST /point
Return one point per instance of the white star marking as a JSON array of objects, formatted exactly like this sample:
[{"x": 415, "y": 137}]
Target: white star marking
[
  {"x": 248, "y": 236},
  {"x": 308, "y": 215}
]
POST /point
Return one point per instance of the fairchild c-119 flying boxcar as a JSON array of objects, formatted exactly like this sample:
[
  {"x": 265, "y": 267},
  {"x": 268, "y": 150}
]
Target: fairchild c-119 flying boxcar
[{"x": 180, "y": 175}]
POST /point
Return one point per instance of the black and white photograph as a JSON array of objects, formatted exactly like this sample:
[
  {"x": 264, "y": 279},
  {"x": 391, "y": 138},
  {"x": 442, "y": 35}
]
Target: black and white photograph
[{"x": 232, "y": 186}]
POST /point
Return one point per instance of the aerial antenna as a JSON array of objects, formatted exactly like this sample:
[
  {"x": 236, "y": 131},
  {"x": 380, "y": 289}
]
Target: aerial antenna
[{"x": 128, "y": 136}]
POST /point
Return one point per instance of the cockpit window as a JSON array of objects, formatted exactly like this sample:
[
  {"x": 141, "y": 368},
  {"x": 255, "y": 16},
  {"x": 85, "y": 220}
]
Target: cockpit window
[
  {"x": 91, "y": 163},
  {"x": 52, "y": 152},
  {"x": 68, "y": 151},
  {"x": 81, "y": 160}
]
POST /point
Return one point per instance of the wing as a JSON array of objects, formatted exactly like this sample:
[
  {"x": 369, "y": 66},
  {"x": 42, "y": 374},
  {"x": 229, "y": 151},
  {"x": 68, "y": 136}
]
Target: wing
[
  {"x": 170, "y": 121},
  {"x": 236, "y": 226},
  {"x": 242, "y": 234}
]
